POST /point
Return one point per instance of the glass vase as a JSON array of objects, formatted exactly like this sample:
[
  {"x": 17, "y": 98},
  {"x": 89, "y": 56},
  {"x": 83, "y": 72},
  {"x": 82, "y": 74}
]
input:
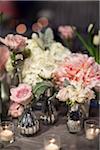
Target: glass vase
[
  {"x": 28, "y": 124},
  {"x": 75, "y": 119},
  {"x": 49, "y": 113}
]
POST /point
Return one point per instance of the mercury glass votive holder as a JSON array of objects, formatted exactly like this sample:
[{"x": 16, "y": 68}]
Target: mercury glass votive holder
[
  {"x": 91, "y": 129},
  {"x": 7, "y": 132},
  {"x": 52, "y": 142}
]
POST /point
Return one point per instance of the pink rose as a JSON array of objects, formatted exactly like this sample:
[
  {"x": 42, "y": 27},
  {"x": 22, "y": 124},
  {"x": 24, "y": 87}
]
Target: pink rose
[
  {"x": 14, "y": 41},
  {"x": 15, "y": 110},
  {"x": 66, "y": 32},
  {"x": 21, "y": 94},
  {"x": 4, "y": 55},
  {"x": 80, "y": 68}
]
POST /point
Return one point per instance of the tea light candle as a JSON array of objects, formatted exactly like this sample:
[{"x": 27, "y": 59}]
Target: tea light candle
[
  {"x": 90, "y": 133},
  {"x": 52, "y": 145},
  {"x": 6, "y": 135}
]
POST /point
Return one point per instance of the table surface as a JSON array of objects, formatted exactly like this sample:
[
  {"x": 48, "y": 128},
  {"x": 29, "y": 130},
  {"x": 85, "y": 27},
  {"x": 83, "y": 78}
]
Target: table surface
[{"x": 68, "y": 141}]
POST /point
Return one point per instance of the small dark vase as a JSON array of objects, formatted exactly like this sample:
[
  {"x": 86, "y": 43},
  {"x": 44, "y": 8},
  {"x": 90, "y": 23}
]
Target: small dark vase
[
  {"x": 49, "y": 115},
  {"x": 75, "y": 119},
  {"x": 28, "y": 124}
]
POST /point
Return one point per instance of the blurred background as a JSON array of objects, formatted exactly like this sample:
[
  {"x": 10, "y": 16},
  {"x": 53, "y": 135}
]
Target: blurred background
[{"x": 77, "y": 13}]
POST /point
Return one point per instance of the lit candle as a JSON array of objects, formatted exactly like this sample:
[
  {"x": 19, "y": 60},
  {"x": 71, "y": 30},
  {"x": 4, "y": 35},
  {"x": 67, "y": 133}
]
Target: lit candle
[
  {"x": 90, "y": 133},
  {"x": 6, "y": 135},
  {"x": 52, "y": 145}
]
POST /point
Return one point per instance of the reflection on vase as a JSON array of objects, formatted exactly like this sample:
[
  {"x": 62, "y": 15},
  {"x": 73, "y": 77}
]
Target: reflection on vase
[{"x": 4, "y": 96}]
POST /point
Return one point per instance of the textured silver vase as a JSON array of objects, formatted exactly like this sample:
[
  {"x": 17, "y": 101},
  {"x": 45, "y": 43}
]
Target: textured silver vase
[
  {"x": 49, "y": 113},
  {"x": 28, "y": 124},
  {"x": 75, "y": 119}
]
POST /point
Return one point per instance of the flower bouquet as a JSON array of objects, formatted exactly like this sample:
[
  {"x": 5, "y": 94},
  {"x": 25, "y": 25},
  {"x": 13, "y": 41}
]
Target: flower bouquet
[
  {"x": 45, "y": 69},
  {"x": 76, "y": 77}
]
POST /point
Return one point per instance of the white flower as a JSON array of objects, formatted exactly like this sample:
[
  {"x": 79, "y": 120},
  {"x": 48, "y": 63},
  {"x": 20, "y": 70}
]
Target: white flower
[
  {"x": 96, "y": 39},
  {"x": 90, "y": 27},
  {"x": 58, "y": 51},
  {"x": 42, "y": 62},
  {"x": 75, "y": 93}
]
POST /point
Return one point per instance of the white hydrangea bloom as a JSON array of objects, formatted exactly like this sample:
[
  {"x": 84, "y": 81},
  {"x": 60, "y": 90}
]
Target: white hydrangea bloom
[
  {"x": 58, "y": 51},
  {"x": 42, "y": 62}
]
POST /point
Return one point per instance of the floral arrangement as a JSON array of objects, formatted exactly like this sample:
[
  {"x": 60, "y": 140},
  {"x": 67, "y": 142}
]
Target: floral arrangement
[
  {"x": 76, "y": 76},
  {"x": 40, "y": 58},
  {"x": 20, "y": 97},
  {"x": 80, "y": 68}
]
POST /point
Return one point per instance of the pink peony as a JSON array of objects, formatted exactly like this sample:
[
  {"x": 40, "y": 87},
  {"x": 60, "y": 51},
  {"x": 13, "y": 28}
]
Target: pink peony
[
  {"x": 21, "y": 94},
  {"x": 80, "y": 68},
  {"x": 15, "y": 110},
  {"x": 66, "y": 32},
  {"x": 14, "y": 41},
  {"x": 4, "y": 55}
]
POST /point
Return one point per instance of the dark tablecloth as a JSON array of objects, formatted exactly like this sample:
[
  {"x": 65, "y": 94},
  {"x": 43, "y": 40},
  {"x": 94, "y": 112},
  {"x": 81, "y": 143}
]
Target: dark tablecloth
[{"x": 68, "y": 141}]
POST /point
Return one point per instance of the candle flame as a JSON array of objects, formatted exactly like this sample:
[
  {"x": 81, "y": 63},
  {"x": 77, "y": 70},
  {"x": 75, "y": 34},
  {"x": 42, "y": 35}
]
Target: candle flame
[{"x": 52, "y": 140}]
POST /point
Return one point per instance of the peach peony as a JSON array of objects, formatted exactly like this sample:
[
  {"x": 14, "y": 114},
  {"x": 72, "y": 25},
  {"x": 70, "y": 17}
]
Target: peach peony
[
  {"x": 80, "y": 68},
  {"x": 21, "y": 94},
  {"x": 14, "y": 41}
]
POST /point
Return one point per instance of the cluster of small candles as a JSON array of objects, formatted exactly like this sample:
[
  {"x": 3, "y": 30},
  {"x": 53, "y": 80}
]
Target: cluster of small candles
[{"x": 51, "y": 142}]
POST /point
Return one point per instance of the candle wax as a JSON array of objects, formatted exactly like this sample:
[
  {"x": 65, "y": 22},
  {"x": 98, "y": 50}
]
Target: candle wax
[
  {"x": 51, "y": 146},
  {"x": 6, "y": 135},
  {"x": 90, "y": 133}
]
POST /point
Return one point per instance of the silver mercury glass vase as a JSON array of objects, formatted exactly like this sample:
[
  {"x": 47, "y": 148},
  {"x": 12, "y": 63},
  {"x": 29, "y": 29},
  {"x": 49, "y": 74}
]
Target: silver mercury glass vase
[{"x": 75, "y": 119}]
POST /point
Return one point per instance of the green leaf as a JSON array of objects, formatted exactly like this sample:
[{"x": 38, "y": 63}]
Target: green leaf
[
  {"x": 40, "y": 88},
  {"x": 48, "y": 37},
  {"x": 90, "y": 50},
  {"x": 94, "y": 52}
]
